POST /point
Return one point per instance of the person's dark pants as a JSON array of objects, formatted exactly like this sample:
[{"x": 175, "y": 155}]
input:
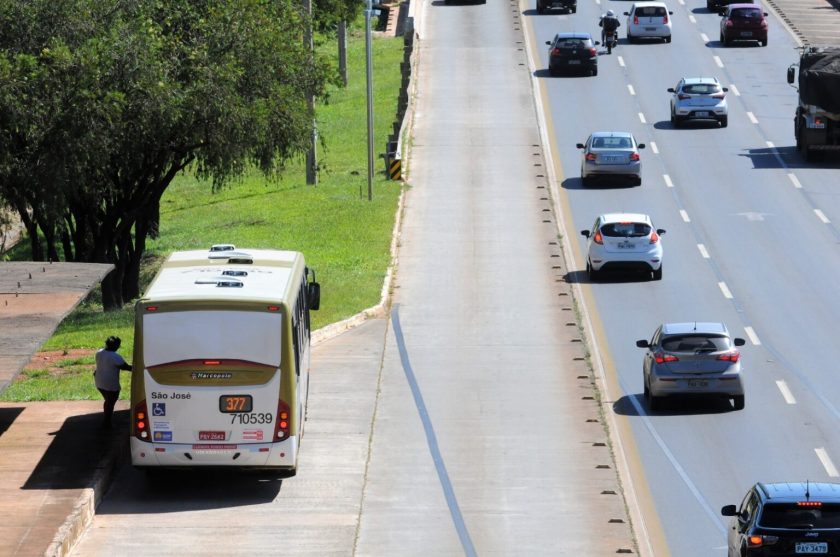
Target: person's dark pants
[{"x": 111, "y": 398}]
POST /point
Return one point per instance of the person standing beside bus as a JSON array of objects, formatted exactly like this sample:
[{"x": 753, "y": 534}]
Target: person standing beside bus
[{"x": 107, "y": 376}]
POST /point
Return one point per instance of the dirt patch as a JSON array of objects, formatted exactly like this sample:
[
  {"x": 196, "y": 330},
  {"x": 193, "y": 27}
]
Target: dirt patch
[{"x": 51, "y": 360}]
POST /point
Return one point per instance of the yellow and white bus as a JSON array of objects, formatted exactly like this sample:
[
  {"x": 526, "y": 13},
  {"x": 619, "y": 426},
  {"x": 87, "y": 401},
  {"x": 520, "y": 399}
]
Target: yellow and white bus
[{"x": 221, "y": 360}]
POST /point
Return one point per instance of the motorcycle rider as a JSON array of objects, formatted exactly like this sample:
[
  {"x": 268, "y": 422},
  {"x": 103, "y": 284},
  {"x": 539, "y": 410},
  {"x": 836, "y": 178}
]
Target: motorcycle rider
[{"x": 609, "y": 22}]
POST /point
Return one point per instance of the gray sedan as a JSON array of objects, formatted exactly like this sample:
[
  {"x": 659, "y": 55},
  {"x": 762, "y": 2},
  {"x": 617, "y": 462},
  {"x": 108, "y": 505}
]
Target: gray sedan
[
  {"x": 612, "y": 155},
  {"x": 692, "y": 359}
]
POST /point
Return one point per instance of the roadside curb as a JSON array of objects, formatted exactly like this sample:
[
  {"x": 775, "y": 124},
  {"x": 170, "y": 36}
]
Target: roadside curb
[{"x": 75, "y": 525}]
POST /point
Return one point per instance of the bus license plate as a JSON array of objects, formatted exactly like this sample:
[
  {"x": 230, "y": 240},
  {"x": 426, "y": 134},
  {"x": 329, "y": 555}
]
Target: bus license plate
[
  {"x": 698, "y": 383},
  {"x": 235, "y": 403},
  {"x": 811, "y": 548},
  {"x": 211, "y": 435}
]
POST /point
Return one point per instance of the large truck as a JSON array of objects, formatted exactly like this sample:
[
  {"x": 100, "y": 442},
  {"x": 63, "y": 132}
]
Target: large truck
[{"x": 817, "y": 122}]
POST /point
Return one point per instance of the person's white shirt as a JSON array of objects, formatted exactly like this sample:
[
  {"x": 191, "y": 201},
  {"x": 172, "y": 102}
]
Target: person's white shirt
[{"x": 108, "y": 370}]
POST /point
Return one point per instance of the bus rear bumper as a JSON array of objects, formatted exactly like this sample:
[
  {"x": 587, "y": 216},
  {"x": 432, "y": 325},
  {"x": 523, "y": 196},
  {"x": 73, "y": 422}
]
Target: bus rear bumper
[{"x": 281, "y": 456}]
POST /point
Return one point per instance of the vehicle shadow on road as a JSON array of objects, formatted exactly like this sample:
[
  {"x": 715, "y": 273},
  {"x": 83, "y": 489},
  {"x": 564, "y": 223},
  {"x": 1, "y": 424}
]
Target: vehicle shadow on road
[
  {"x": 765, "y": 158},
  {"x": 582, "y": 277},
  {"x": 703, "y": 11},
  {"x": 691, "y": 125},
  {"x": 676, "y": 406},
  {"x": 545, "y": 73},
  {"x": 8, "y": 415},
  {"x": 600, "y": 184}
]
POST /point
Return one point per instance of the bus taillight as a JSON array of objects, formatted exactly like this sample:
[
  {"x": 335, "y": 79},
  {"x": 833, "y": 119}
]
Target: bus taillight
[
  {"x": 141, "y": 421},
  {"x": 281, "y": 427}
]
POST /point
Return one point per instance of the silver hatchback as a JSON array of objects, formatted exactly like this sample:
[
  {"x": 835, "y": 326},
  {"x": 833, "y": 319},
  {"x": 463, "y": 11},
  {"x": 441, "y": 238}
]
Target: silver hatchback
[{"x": 692, "y": 359}]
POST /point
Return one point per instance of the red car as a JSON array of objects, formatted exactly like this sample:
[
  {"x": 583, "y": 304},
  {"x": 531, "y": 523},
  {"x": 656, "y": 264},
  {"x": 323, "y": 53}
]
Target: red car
[{"x": 743, "y": 22}]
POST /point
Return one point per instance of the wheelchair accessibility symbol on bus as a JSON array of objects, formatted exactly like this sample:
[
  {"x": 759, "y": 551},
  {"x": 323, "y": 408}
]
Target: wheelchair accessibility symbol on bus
[{"x": 158, "y": 409}]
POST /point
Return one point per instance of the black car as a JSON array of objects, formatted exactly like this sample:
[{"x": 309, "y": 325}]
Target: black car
[
  {"x": 568, "y": 6},
  {"x": 716, "y": 5},
  {"x": 786, "y": 519},
  {"x": 572, "y": 52}
]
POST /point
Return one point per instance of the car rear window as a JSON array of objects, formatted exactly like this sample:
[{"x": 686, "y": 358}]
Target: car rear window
[
  {"x": 571, "y": 43},
  {"x": 612, "y": 143},
  {"x": 625, "y": 230},
  {"x": 790, "y": 515},
  {"x": 695, "y": 343},
  {"x": 651, "y": 11},
  {"x": 701, "y": 89},
  {"x": 746, "y": 13}
]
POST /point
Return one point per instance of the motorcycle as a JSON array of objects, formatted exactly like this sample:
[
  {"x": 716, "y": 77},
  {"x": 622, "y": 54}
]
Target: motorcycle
[{"x": 610, "y": 40}]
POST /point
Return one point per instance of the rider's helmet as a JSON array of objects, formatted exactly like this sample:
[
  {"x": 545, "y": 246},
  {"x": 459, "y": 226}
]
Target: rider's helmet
[{"x": 610, "y": 13}]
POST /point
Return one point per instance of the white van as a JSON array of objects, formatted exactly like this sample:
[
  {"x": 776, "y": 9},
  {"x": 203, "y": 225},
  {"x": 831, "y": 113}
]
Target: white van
[{"x": 649, "y": 20}]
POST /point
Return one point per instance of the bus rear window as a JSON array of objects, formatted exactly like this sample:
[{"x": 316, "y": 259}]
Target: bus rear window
[{"x": 253, "y": 336}]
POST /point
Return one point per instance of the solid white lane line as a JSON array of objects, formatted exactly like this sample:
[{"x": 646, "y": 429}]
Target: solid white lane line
[
  {"x": 821, "y": 216},
  {"x": 703, "y": 252},
  {"x": 692, "y": 19},
  {"x": 642, "y": 118},
  {"x": 654, "y": 148},
  {"x": 621, "y": 61},
  {"x": 684, "y": 216},
  {"x": 705, "y": 37},
  {"x": 786, "y": 394},
  {"x": 630, "y": 88},
  {"x": 752, "y": 336},
  {"x": 668, "y": 181},
  {"x": 752, "y": 117},
  {"x": 725, "y": 289},
  {"x": 734, "y": 90},
  {"x": 822, "y": 454},
  {"x": 794, "y": 180},
  {"x": 770, "y": 144},
  {"x": 718, "y": 61}
]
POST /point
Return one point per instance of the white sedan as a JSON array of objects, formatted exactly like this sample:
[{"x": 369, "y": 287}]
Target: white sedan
[
  {"x": 699, "y": 98},
  {"x": 623, "y": 241}
]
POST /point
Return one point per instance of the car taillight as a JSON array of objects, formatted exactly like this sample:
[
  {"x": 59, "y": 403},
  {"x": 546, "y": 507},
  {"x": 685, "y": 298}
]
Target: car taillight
[
  {"x": 719, "y": 96},
  {"x": 683, "y": 96},
  {"x": 590, "y": 156},
  {"x": 811, "y": 504},
  {"x": 763, "y": 24},
  {"x": 665, "y": 358},
  {"x": 593, "y": 52},
  {"x": 141, "y": 421},
  {"x": 818, "y": 121},
  {"x": 665, "y": 19},
  {"x": 729, "y": 23},
  {"x": 635, "y": 20},
  {"x": 654, "y": 237},
  {"x": 733, "y": 356},
  {"x": 758, "y": 541},
  {"x": 556, "y": 52},
  {"x": 597, "y": 238},
  {"x": 281, "y": 426},
  {"x": 634, "y": 156}
]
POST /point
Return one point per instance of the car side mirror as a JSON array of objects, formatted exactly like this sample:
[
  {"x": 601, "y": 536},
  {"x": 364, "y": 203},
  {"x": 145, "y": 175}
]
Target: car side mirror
[
  {"x": 725, "y": 89},
  {"x": 671, "y": 90},
  {"x": 722, "y": 13},
  {"x": 314, "y": 295},
  {"x": 661, "y": 231},
  {"x": 597, "y": 43},
  {"x": 765, "y": 14},
  {"x": 580, "y": 145},
  {"x": 791, "y": 73},
  {"x": 584, "y": 233},
  {"x": 670, "y": 13},
  {"x": 643, "y": 344},
  {"x": 626, "y": 13},
  {"x": 548, "y": 43},
  {"x": 641, "y": 145},
  {"x": 729, "y": 510},
  {"x": 739, "y": 342}
]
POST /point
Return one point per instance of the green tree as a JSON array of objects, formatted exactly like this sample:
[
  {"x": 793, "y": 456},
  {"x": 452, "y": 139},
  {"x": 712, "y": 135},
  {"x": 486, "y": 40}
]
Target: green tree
[
  {"x": 327, "y": 13},
  {"x": 104, "y": 102}
]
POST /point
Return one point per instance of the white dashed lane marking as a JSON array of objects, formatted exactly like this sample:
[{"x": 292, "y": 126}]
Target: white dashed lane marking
[
  {"x": 752, "y": 336},
  {"x": 725, "y": 289},
  {"x": 794, "y": 180},
  {"x": 642, "y": 118},
  {"x": 752, "y": 117},
  {"x": 703, "y": 252},
  {"x": 668, "y": 181},
  {"x": 734, "y": 90},
  {"x": 786, "y": 394},
  {"x": 621, "y": 61},
  {"x": 692, "y": 19},
  {"x": 821, "y": 216},
  {"x": 770, "y": 144},
  {"x": 718, "y": 61},
  {"x": 684, "y": 216},
  {"x": 705, "y": 38},
  {"x": 630, "y": 88},
  {"x": 654, "y": 148},
  {"x": 822, "y": 454}
]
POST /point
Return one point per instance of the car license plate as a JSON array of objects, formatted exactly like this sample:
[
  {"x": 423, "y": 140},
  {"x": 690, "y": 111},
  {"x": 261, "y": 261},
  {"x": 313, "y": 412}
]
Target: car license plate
[
  {"x": 810, "y": 548},
  {"x": 650, "y": 28},
  {"x": 612, "y": 160},
  {"x": 746, "y": 33},
  {"x": 702, "y": 113},
  {"x": 626, "y": 245},
  {"x": 698, "y": 383},
  {"x": 211, "y": 435}
]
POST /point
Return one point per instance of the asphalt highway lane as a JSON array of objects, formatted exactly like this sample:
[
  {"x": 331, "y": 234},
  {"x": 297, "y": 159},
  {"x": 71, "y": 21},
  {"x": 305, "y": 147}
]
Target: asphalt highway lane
[{"x": 751, "y": 242}]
